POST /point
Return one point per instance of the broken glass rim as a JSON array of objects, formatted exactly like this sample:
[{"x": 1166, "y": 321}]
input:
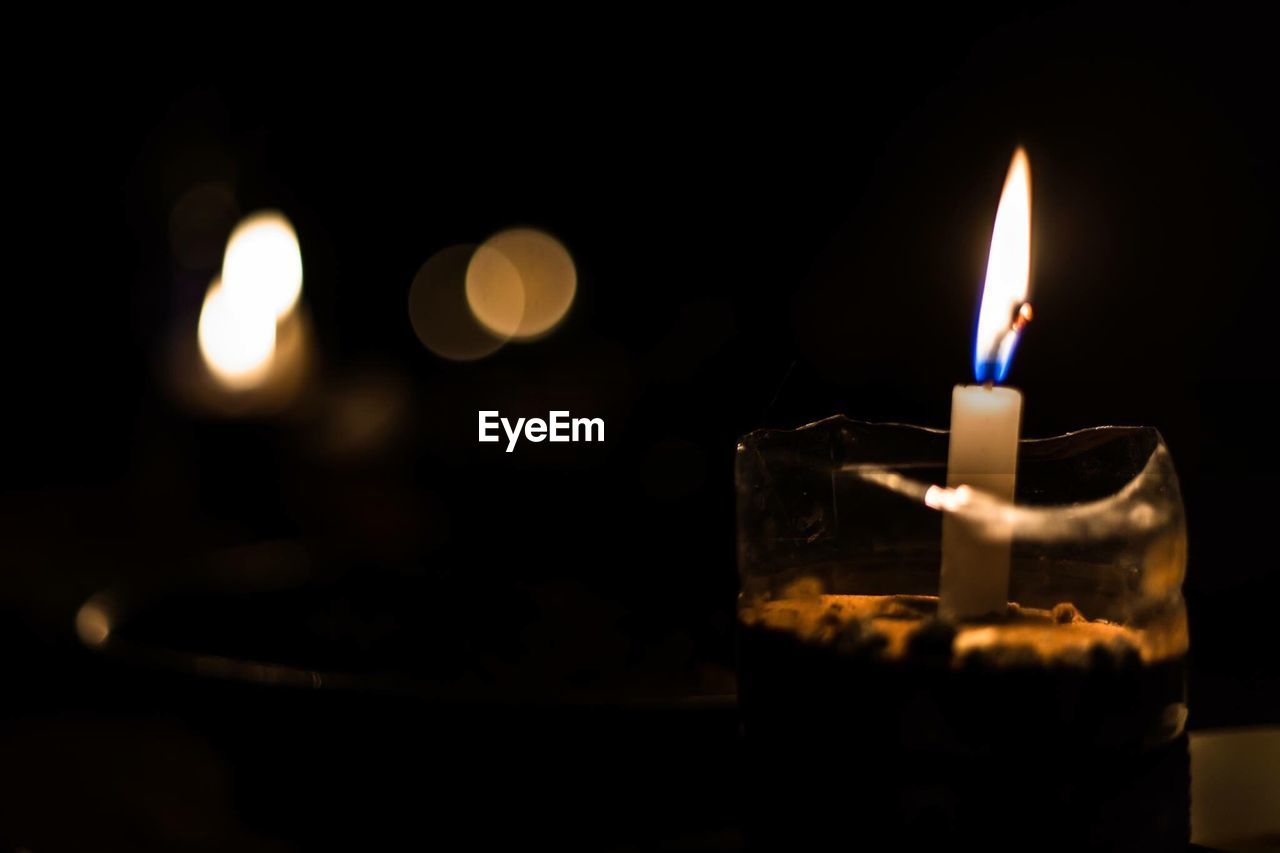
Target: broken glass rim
[{"x": 1149, "y": 502}]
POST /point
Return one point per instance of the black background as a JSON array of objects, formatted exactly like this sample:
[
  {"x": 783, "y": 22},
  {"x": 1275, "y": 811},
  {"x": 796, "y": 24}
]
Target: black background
[{"x": 770, "y": 222}]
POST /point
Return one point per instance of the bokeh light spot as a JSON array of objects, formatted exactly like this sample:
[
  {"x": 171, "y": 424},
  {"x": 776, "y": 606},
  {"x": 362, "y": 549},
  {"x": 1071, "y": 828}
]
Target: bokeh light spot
[
  {"x": 439, "y": 312},
  {"x": 547, "y": 274},
  {"x": 93, "y": 622},
  {"x": 237, "y": 338},
  {"x": 263, "y": 263},
  {"x": 495, "y": 292}
]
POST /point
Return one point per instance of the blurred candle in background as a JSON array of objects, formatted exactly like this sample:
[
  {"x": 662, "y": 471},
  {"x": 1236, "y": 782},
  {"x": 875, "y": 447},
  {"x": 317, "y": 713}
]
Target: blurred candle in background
[{"x": 251, "y": 350}]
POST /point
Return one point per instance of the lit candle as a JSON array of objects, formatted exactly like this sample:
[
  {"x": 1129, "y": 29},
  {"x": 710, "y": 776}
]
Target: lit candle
[{"x": 986, "y": 418}]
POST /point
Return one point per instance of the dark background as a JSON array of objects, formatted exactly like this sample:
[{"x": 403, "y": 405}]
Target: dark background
[{"x": 770, "y": 224}]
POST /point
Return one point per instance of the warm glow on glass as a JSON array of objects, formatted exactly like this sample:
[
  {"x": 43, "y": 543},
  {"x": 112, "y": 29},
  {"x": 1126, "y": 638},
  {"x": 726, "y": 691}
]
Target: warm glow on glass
[
  {"x": 1002, "y": 315},
  {"x": 237, "y": 338},
  {"x": 263, "y": 263}
]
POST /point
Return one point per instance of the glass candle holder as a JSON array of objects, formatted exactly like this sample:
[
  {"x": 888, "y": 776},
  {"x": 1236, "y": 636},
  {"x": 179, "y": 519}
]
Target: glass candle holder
[{"x": 1064, "y": 714}]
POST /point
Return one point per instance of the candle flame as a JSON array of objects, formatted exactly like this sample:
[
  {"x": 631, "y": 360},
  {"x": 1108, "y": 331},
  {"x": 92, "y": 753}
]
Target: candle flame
[{"x": 1005, "y": 310}]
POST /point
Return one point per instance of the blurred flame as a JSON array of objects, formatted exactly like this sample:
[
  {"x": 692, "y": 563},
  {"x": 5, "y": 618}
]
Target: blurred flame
[
  {"x": 237, "y": 337},
  {"x": 263, "y": 263},
  {"x": 1004, "y": 294}
]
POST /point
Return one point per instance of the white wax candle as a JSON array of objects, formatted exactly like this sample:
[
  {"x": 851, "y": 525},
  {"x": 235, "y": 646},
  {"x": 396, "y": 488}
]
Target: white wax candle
[{"x": 983, "y": 455}]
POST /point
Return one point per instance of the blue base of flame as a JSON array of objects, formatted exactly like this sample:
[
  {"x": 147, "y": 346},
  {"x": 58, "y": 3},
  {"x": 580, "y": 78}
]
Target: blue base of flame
[{"x": 991, "y": 370}]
